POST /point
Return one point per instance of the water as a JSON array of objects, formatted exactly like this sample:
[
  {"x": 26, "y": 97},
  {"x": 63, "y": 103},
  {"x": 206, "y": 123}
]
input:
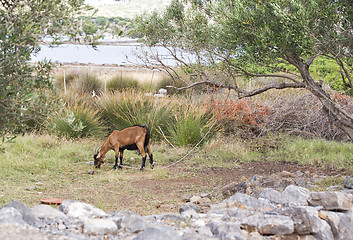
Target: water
[{"x": 103, "y": 54}]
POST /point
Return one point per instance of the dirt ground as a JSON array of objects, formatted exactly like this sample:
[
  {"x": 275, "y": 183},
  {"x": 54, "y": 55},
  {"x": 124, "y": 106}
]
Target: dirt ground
[{"x": 151, "y": 195}]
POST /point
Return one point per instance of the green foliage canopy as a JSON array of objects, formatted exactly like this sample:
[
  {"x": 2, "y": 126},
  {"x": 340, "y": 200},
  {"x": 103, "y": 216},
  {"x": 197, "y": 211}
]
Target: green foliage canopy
[
  {"x": 258, "y": 38},
  {"x": 23, "y": 23}
]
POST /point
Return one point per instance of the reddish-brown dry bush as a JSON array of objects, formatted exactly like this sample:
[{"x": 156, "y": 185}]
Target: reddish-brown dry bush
[
  {"x": 296, "y": 113},
  {"x": 244, "y": 115}
]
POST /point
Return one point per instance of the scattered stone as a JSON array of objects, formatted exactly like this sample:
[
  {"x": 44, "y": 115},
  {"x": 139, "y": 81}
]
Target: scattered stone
[
  {"x": 91, "y": 172},
  {"x": 133, "y": 223},
  {"x": 273, "y": 196},
  {"x": 24, "y": 210},
  {"x": 189, "y": 206},
  {"x": 266, "y": 214},
  {"x": 11, "y": 215},
  {"x": 348, "y": 182},
  {"x": 195, "y": 199},
  {"x": 205, "y": 195},
  {"x": 186, "y": 198},
  {"x": 229, "y": 189},
  {"x": 244, "y": 201},
  {"x": 301, "y": 219},
  {"x": 190, "y": 213},
  {"x": 286, "y": 174},
  {"x": 158, "y": 233},
  {"x": 99, "y": 226},
  {"x": 80, "y": 210},
  {"x": 334, "y": 188}
]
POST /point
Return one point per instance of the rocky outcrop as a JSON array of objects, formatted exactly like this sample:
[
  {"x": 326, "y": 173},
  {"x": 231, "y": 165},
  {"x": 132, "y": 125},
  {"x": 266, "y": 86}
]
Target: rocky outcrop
[{"x": 294, "y": 213}]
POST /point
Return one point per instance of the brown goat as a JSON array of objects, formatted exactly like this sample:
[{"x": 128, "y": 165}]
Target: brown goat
[{"x": 131, "y": 138}]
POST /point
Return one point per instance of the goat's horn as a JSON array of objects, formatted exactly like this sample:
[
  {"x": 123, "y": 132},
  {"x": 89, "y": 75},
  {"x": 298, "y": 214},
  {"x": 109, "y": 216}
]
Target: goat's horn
[{"x": 97, "y": 150}]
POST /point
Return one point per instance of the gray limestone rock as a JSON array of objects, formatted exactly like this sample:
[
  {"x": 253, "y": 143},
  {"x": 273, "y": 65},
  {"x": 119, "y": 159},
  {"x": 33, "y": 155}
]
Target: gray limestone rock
[
  {"x": 320, "y": 228},
  {"x": 80, "y": 210},
  {"x": 46, "y": 211},
  {"x": 269, "y": 224},
  {"x": 133, "y": 223},
  {"x": 24, "y": 210},
  {"x": 11, "y": 215},
  {"x": 348, "y": 182},
  {"x": 248, "y": 202},
  {"x": 296, "y": 195},
  {"x": 341, "y": 224},
  {"x": 331, "y": 200},
  {"x": 158, "y": 233},
  {"x": 100, "y": 226}
]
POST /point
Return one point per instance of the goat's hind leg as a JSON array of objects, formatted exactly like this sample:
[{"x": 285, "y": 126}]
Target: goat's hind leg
[
  {"x": 151, "y": 156},
  {"x": 143, "y": 154}
]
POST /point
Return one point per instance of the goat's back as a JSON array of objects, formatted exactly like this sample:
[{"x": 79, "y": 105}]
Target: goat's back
[{"x": 130, "y": 136}]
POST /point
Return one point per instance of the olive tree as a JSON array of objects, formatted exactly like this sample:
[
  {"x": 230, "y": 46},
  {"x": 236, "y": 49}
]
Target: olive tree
[
  {"x": 23, "y": 24},
  {"x": 257, "y": 38}
]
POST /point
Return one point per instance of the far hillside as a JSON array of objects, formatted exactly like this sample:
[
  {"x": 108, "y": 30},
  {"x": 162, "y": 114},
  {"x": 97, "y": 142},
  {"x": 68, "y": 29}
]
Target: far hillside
[{"x": 126, "y": 8}]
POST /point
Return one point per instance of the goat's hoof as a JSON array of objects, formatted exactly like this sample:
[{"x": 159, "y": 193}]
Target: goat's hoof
[
  {"x": 120, "y": 167},
  {"x": 152, "y": 166},
  {"x": 141, "y": 169}
]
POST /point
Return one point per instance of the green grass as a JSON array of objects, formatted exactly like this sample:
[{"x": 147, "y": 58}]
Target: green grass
[
  {"x": 41, "y": 166},
  {"x": 314, "y": 151}
]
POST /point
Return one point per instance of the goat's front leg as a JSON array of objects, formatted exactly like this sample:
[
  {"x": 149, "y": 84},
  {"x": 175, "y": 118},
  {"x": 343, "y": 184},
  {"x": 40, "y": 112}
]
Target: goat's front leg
[{"x": 116, "y": 159}]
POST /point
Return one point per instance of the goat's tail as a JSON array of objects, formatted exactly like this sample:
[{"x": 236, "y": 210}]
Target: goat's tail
[{"x": 147, "y": 136}]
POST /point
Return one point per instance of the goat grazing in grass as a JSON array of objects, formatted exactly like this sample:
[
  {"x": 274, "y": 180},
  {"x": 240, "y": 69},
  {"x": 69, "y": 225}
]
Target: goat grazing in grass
[{"x": 131, "y": 138}]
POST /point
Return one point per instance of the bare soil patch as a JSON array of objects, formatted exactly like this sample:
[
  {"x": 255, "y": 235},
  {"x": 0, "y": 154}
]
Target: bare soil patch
[{"x": 150, "y": 195}]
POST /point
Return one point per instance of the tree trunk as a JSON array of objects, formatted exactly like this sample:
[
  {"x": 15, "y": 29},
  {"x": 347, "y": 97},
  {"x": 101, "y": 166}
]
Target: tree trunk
[{"x": 337, "y": 115}]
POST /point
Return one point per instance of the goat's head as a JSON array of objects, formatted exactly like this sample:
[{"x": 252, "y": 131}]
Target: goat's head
[{"x": 98, "y": 158}]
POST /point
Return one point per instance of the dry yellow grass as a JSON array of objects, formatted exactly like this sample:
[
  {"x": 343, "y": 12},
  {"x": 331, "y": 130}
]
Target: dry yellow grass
[{"x": 107, "y": 72}]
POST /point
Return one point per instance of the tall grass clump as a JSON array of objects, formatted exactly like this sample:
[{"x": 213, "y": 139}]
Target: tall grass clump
[
  {"x": 77, "y": 121},
  {"x": 79, "y": 82},
  {"x": 189, "y": 125},
  {"x": 127, "y": 108},
  {"x": 65, "y": 79},
  {"x": 87, "y": 84},
  {"x": 168, "y": 81},
  {"x": 118, "y": 83}
]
